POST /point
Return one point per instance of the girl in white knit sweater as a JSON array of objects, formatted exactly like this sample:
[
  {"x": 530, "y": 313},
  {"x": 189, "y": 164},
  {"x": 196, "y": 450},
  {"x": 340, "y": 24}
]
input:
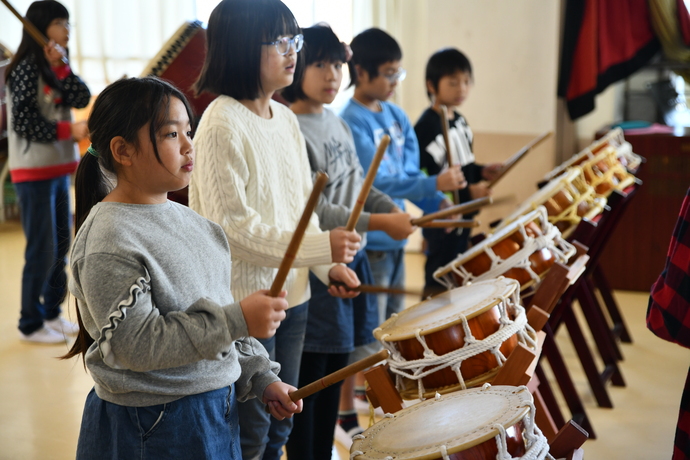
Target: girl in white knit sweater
[{"x": 252, "y": 176}]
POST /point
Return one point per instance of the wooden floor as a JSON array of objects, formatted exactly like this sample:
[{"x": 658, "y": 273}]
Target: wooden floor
[{"x": 41, "y": 398}]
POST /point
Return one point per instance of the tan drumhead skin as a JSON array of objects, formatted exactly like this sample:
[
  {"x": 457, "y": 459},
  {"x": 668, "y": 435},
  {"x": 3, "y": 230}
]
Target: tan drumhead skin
[
  {"x": 459, "y": 421},
  {"x": 446, "y": 309}
]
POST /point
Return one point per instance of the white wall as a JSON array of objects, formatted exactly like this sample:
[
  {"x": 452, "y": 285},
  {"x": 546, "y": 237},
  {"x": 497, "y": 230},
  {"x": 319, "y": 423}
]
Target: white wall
[{"x": 513, "y": 47}]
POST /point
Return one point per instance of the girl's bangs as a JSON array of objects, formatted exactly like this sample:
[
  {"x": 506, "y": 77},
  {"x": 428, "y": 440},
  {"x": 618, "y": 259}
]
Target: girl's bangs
[{"x": 281, "y": 20}]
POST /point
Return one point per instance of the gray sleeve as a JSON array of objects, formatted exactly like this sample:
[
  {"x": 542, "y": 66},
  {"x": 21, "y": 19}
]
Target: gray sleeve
[
  {"x": 378, "y": 202},
  {"x": 129, "y": 330},
  {"x": 258, "y": 371},
  {"x": 336, "y": 215}
]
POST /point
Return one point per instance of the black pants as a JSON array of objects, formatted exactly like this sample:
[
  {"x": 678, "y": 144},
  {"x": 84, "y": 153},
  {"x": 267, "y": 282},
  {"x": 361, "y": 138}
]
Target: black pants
[
  {"x": 312, "y": 431},
  {"x": 442, "y": 248}
]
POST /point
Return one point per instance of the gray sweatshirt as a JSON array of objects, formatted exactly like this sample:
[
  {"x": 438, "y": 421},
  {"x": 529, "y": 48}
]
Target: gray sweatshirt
[
  {"x": 331, "y": 149},
  {"x": 152, "y": 284}
]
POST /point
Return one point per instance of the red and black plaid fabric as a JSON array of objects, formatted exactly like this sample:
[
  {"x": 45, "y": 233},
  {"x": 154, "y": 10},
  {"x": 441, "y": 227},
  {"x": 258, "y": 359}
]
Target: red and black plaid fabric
[{"x": 668, "y": 314}]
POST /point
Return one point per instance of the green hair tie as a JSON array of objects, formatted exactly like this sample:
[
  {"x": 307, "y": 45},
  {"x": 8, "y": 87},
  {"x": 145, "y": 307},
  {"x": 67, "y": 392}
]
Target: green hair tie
[{"x": 92, "y": 151}]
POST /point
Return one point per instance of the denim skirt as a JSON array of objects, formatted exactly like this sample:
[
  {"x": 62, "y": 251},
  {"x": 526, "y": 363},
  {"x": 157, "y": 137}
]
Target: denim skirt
[{"x": 202, "y": 426}]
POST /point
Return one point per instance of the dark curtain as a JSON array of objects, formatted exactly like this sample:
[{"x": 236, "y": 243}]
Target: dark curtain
[{"x": 604, "y": 41}]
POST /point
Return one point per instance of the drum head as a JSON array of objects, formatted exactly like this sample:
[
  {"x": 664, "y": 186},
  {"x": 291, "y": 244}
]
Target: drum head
[
  {"x": 446, "y": 309},
  {"x": 458, "y": 421}
]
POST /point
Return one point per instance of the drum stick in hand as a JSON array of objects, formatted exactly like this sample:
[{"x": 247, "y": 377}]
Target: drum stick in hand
[
  {"x": 443, "y": 112},
  {"x": 368, "y": 181},
  {"x": 517, "y": 156},
  {"x": 338, "y": 375},
  {"x": 450, "y": 223},
  {"x": 293, "y": 247},
  {"x": 370, "y": 289},
  {"x": 30, "y": 27},
  {"x": 457, "y": 209}
]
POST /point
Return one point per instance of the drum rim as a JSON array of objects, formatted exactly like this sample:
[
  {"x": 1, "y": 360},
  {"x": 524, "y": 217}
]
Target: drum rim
[
  {"x": 495, "y": 238},
  {"x": 544, "y": 194},
  {"x": 171, "y": 49},
  {"x": 572, "y": 161},
  {"x": 522, "y": 395},
  {"x": 510, "y": 286}
]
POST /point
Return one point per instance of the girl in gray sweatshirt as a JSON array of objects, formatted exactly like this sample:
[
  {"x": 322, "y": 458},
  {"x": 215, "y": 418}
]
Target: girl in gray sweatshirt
[{"x": 169, "y": 349}]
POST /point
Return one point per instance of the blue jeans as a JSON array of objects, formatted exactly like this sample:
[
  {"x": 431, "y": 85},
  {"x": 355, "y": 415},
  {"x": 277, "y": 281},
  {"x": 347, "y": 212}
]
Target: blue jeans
[
  {"x": 338, "y": 325},
  {"x": 46, "y": 220},
  {"x": 261, "y": 435},
  {"x": 203, "y": 426},
  {"x": 388, "y": 270}
]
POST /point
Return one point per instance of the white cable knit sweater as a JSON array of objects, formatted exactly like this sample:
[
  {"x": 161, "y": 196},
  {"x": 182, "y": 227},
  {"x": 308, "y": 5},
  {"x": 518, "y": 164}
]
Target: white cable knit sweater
[{"x": 252, "y": 176}]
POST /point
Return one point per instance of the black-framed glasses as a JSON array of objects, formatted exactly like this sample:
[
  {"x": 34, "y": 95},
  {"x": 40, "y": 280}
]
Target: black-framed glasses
[{"x": 284, "y": 44}]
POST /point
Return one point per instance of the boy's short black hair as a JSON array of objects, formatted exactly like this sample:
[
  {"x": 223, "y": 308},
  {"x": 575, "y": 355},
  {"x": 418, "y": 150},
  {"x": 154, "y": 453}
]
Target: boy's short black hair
[
  {"x": 443, "y": 63},
  {"x": 235, "y": 32},
  {"x": 320, "y": 45},
  {"x": 370, "y": 49}
]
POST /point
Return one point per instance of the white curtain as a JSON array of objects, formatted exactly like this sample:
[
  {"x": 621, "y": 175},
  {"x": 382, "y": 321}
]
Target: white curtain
[
  {"x": 109, "y": 38},
  {"x": 119, "y": 37}
]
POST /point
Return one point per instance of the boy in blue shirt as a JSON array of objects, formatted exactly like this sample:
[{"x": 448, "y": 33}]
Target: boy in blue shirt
[{"x": 375, "y": 71}]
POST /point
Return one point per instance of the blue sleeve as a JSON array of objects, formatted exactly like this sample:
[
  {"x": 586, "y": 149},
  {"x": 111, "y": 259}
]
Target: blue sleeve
[{"x": 414, "y": 186}]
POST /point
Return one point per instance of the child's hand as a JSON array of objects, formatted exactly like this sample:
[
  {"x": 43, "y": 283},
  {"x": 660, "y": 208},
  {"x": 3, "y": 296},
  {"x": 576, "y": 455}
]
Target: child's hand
[
  {"x": 398, "y": 225},
  {"x": 277, "y": 400},
  {"x": 344, "y": 245},
  {"x": 263, "y": 313},
  {"x": 79, "y": 130},
  {"x": 451, "y": 179},
  {"x": 479, "y": 190},
  {"x": 54, "y": 53},
  {"x": 490, "y": 172},
  {"x": 344, "y": 275}
]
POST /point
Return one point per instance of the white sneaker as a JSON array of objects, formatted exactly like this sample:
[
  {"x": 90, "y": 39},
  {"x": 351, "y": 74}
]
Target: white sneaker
[
  {"x": 43, "y": 335},
  {"x": 62, "y": 326}
]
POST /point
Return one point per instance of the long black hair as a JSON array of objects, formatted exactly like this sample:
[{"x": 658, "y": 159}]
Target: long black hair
[
  {"x": 121, "y": 109},
  {"x": 235, "y": 32},
  {"x": 40, "y": 14}
]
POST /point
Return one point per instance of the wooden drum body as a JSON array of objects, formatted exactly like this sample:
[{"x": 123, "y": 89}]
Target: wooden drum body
[
  {"x": 568, "y": 199},
  {"x": 523, "y": 250},
  {"x": 615, "y": 140},
  {"x": 605, "y": 173},
  {"x": 476, "y": 424},
  {"x": 455, "y": 340}
]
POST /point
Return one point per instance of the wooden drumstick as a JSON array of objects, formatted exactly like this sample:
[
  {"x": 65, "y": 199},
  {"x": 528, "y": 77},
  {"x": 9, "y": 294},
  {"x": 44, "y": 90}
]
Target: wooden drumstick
[
  {"x": 457, "y": 209},
  {"x": 293, "y": 247},
  {"x": 338, "y": 375},
  {"x": 28, "y": 25},
  {"x": 370, "y": 289},
  {"x": 450, "y": 223},
  {"x": 368, "y": 181},
  {"x": 517, "y": 156},
  {"x": 443, "y": 112}
]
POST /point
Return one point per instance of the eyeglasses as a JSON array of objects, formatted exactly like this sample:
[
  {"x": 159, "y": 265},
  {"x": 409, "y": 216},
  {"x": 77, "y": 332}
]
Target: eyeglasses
[
  {"x": 61, "y": 22},
  {"x": 397, "y": 76},
  {"x": 284, "y": 44}
]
